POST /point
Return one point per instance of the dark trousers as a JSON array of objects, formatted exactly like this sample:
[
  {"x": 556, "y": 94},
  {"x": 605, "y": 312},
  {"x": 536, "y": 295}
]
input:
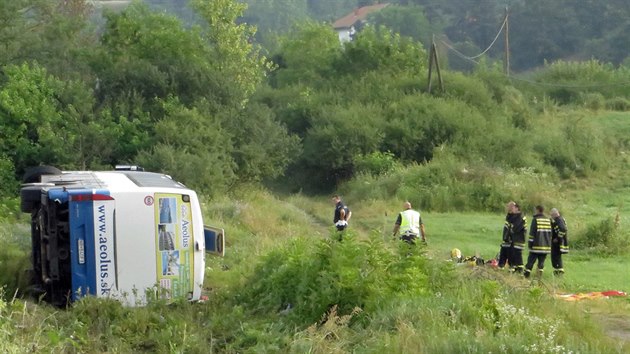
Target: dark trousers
[
  {"x": 533, "y": 257},
  {"x": 409, "y": 238},
  {"x": 517, "y": 258},
  {"x": 556, "y": 256},
  {"x": 505, "y": 255}
]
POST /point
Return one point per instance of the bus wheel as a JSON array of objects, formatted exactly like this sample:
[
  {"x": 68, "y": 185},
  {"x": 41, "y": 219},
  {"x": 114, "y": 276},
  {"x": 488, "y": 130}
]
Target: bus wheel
[{"x": 34, "y": 174}]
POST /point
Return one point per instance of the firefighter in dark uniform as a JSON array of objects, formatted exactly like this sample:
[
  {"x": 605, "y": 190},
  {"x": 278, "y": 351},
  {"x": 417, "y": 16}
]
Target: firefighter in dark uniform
[
  {"x": 539, "y": 241},
  {"x": 559, "y": 242},
  {"x": 514, "y": 231},
  {"x": 506, "y": 245},
  {"x": 518, "y": 230}
]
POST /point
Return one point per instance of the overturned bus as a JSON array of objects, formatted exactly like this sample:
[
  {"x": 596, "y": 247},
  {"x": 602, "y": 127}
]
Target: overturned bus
[{"x": 125, "y": 234}]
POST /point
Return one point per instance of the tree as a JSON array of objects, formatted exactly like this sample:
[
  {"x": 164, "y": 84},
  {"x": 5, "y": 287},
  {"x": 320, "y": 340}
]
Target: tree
[
  {"x": 30, "y": 118},
  {"x": 306, "y": 55},
  {"x": 262, "y": 148},
  {"x": 407, "y": 21},
  {"x": 233, "y": 54},
  {"x": 49, "y": 121},
  {"x": 53, "y": 33},
  {"x": 192, "y": 146},
  {"x": 379, "y": 49}
]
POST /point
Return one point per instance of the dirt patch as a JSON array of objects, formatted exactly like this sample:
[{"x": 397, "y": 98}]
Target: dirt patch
[{"x": 615, "y": 326}]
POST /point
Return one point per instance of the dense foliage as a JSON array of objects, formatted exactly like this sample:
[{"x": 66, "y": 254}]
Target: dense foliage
[
  {"x": 196, "y": 97},
  {"x": 539, "y": 30},
  {"x": 143, "y": 89}
]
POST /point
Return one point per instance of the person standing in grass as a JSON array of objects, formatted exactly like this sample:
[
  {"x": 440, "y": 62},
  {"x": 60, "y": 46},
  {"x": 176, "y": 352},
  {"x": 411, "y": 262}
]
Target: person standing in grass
[
  {"x": 559, "y": 243},
  {"x": 506, "y": 245},
  {"x": 342, "y": 214},
  {"x": 514, "y": 230},
  {"x": 518, "y": 230},
  {"x": 539, "y": 241},
  {"x": 408, "y": 225}
]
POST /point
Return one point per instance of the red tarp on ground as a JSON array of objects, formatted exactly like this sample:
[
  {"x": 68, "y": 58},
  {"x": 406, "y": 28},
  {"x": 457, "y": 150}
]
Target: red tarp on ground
[{"x": 591, "y": 295}]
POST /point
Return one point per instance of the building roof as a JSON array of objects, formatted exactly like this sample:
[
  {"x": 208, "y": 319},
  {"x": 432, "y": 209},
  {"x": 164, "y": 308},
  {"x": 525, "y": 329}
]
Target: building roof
[{"x": 358, "y": 14}]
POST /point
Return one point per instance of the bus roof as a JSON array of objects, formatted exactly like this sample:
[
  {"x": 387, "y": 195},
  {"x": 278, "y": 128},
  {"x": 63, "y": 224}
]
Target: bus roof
[{"x": 112, "y": 179}]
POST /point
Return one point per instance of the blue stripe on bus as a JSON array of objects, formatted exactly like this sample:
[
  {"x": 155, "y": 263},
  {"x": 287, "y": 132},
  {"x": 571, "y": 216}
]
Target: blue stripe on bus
[{"x": 82, "y": 228}]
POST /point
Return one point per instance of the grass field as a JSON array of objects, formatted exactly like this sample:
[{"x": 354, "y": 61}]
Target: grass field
[{"x": 286, "y": 286}]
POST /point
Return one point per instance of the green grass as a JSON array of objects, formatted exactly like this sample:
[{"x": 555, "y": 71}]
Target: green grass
[{"x": 279, "y": 251}]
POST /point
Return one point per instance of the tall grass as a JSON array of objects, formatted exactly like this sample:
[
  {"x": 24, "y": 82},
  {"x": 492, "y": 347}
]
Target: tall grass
[
  {"x": 448, "y": 183},
  {"x": 308, "y": 292}
]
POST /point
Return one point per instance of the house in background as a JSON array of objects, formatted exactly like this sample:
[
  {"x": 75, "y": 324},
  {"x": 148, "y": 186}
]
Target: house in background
[{"x": 350, "y": 24}]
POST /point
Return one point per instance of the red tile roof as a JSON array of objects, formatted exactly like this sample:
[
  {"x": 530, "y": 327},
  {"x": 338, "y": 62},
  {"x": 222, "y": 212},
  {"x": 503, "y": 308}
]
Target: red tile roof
[{"x": 357, "y": 15}]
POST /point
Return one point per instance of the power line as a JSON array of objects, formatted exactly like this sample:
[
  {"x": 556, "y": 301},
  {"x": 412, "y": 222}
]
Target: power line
[
  {"x": 458, "y": 53},
  {"x": 535, "y": 83},
  {"x": 472, "y": 58}
]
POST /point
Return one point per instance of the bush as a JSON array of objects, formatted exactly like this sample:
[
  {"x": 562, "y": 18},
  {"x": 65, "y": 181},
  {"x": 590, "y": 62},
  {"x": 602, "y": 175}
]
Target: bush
[
  {"x": 449, "y": 183},
  {"x": 572, "y": 144},
  {"x": 618, "y": 104},
  {"x": 14, "y": 260},
  {"x": 604, "y": 237},
  {"x": 308, "y": 282},
  {"x": 594, "y": 101},
  {"x": 8, "y": 183},
  {"x": 376, "y": 163}
]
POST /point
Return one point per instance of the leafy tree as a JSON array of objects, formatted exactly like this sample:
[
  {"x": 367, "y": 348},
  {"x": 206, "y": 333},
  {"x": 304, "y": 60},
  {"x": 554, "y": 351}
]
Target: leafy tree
[
  {"x": 262, "y": 148},
  {"x": 151, "y": 54},
  {"x": 307, "y": 55},
  {"x": 49, "y": 121},
  {"x": 407, "y": 21},
  {"x": 380, "y": 50},
  {"x": 336, "y": 137},
  {"x": 233, "y": 54},
  {"x": 53, "y": 33},
  {"x": 191, "y": 145},
  {"x": 33, "y": 128}
]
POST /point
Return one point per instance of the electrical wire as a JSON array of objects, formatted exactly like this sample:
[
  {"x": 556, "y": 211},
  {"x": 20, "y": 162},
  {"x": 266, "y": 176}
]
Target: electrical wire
[{"x": 536, "y": 83}]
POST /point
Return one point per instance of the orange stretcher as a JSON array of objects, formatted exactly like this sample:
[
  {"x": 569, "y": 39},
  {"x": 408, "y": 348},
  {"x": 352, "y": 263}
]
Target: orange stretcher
[{"x": 590, "y": 295}]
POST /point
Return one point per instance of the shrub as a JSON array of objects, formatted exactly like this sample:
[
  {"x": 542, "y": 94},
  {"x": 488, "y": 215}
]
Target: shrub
[
  {"x": 571, "y": 143},
  {"x": 14, "y": 260},
  {"x": 449, "y": 183},
  {"x": 593, "y": 100},
  {"x": 604, "y": 237},
  {"x": 618, "y": 104},
  {"x": 468, "y": 89},
  {"x": 308, "y": 282},
  {"x": 8, "y": 183},
  {"x": 376, "y": 163}
]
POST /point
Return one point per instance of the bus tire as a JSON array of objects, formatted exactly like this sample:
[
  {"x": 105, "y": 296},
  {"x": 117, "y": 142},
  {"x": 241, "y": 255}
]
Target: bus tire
[{"x": 34, "y": 174}]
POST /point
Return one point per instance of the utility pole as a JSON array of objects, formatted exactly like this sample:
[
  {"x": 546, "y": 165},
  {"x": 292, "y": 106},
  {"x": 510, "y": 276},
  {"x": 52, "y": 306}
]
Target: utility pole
[
  {"x": 507, "y": 43},
  {"x": 433, "y": 58}
]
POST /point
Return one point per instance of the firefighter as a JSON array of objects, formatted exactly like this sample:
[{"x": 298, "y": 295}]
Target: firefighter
[
  {"x": 559, "y": 242},
  {"x": 539, "y": 241},
  {"x": 518, "y": 230},
  {"x": 506, "y": 245}
]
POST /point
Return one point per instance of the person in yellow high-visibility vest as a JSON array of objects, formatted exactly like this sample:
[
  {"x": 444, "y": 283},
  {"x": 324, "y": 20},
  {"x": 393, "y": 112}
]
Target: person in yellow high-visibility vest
[{"x": 408, "y": 225}]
